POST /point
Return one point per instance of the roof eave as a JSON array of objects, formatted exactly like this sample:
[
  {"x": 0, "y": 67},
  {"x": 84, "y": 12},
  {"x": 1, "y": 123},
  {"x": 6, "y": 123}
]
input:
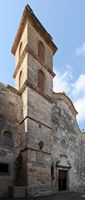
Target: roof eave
[
  {"x": 68, "y": 101},
  {"x": 19, "y": 32}
]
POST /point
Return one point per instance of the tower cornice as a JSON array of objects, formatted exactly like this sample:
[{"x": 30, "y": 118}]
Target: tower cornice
[
  {"x": 30, "y": 51},
  {"x": 29, "y": 14},
  {"x": 37, "y": 90}
]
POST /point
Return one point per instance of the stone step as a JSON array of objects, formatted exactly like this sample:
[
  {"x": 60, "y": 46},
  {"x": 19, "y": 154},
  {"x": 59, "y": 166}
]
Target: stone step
[{"x": 17, "y": 192}]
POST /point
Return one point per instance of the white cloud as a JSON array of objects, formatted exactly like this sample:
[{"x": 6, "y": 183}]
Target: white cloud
[
  {"x": 79, "y": 87},
  {"x": 76, "y": 90},
  {"x": 81, "y": 50},
  {"x": 78, "y": 96},
  {"x": 60, "y": 84},
  {"x": 61, "y": 81},
  {"x": 80, "y": 107}
]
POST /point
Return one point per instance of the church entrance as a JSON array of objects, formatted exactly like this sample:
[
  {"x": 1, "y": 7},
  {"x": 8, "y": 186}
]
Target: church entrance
[{"x": 62, "y": 179}]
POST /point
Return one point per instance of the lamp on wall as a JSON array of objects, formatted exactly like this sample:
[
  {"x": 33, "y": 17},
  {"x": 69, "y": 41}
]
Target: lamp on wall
[
  {"x": 41, "y": 144},
  {"x": 57, "y": 161}
]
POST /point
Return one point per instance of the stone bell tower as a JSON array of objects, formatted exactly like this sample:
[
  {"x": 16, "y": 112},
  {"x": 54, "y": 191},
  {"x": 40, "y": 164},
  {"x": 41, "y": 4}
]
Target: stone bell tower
[{"x": 33, "y": 49}]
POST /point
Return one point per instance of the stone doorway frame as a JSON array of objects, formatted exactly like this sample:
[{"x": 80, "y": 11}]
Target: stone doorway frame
[
  {"x": 57, "y": 175},
  {"x": 62, "y": 179}
]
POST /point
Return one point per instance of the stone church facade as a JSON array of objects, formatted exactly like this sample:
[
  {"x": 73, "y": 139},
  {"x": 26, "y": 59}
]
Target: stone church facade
[{"x": 41, "y": 146}]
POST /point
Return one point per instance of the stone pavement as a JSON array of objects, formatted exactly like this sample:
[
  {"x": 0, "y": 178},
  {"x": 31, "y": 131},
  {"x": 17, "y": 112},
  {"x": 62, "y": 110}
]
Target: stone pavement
[
  {"x": 58, "y": 196},
  {"x": 64, "y": 196}
]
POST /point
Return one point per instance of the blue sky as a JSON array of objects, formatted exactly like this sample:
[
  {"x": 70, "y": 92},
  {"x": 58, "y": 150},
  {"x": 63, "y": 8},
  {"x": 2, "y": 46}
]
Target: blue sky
[{"x": 65, "y": 21}]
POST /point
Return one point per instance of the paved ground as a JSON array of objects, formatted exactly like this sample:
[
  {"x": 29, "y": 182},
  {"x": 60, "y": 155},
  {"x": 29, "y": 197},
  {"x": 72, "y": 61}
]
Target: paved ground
[
  {"x": 64, "y": 196},
  {"x": 58, "y": 196}
]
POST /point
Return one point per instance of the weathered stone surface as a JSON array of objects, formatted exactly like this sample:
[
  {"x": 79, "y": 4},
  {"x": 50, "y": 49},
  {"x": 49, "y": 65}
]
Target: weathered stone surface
[
  {"x": 35, "y": 117},
  {"x": 68, "y": 155},
  {"x": 9, "y": 120}
]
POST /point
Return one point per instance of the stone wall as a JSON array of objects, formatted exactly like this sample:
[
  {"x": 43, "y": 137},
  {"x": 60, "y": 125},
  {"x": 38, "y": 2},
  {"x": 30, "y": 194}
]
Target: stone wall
[
  {"x": 33, "y": 39},
  {"x": 82, "y": 161},
  {"x": 47, "y": 139},
  {"x": 23, "y": 39},
  {"x": 22, "y": 69},
  {"x": 33, "y": 67},
  {"x": 10, "y": 115},
  {"x": 66, "y": 141},
  {"x": 39, "y": 131},
  {"x": 39, "y": 172},
  {"x": 39, "y": 108},
  {"x": 63, "y": 143}
]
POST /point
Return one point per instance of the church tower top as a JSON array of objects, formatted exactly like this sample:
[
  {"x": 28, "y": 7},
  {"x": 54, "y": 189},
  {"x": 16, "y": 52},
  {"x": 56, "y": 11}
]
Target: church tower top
[{"x": 29, "y": 14}]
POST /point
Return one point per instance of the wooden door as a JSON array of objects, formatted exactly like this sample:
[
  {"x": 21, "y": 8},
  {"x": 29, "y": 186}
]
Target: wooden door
[{"x": 62, "y": 179}]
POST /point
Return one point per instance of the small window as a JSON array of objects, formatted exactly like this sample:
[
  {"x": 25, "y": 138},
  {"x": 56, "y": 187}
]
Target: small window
[
  {"x": 7, "y": 139},
  {"x": 20, "y": 49},
  {"x": 4, "y": 168},
  {"x": 63, "y": 143},
  {"x": 41, "y": 51},
  {"x": 41, "y": 80},
  {"x": 20, "y": 80}
]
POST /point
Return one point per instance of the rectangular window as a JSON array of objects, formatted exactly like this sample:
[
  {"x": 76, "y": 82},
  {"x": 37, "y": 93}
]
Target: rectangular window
[
  {"x": 7, "y": 139},
  {"x": 4, "y": 169}
]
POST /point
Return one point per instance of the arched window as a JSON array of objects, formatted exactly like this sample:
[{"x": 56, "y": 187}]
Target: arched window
[
  {"x": 7, "y": 138},
  {"x": 41, "y": 80},
  {"x": 41, "y": 51},
  {"x": 20, "y": 79},
  {"x": 20, "y": 49}
]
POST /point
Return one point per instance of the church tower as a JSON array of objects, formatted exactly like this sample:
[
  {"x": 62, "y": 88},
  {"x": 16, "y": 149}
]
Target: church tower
[{"x": 34, "y": 49}]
